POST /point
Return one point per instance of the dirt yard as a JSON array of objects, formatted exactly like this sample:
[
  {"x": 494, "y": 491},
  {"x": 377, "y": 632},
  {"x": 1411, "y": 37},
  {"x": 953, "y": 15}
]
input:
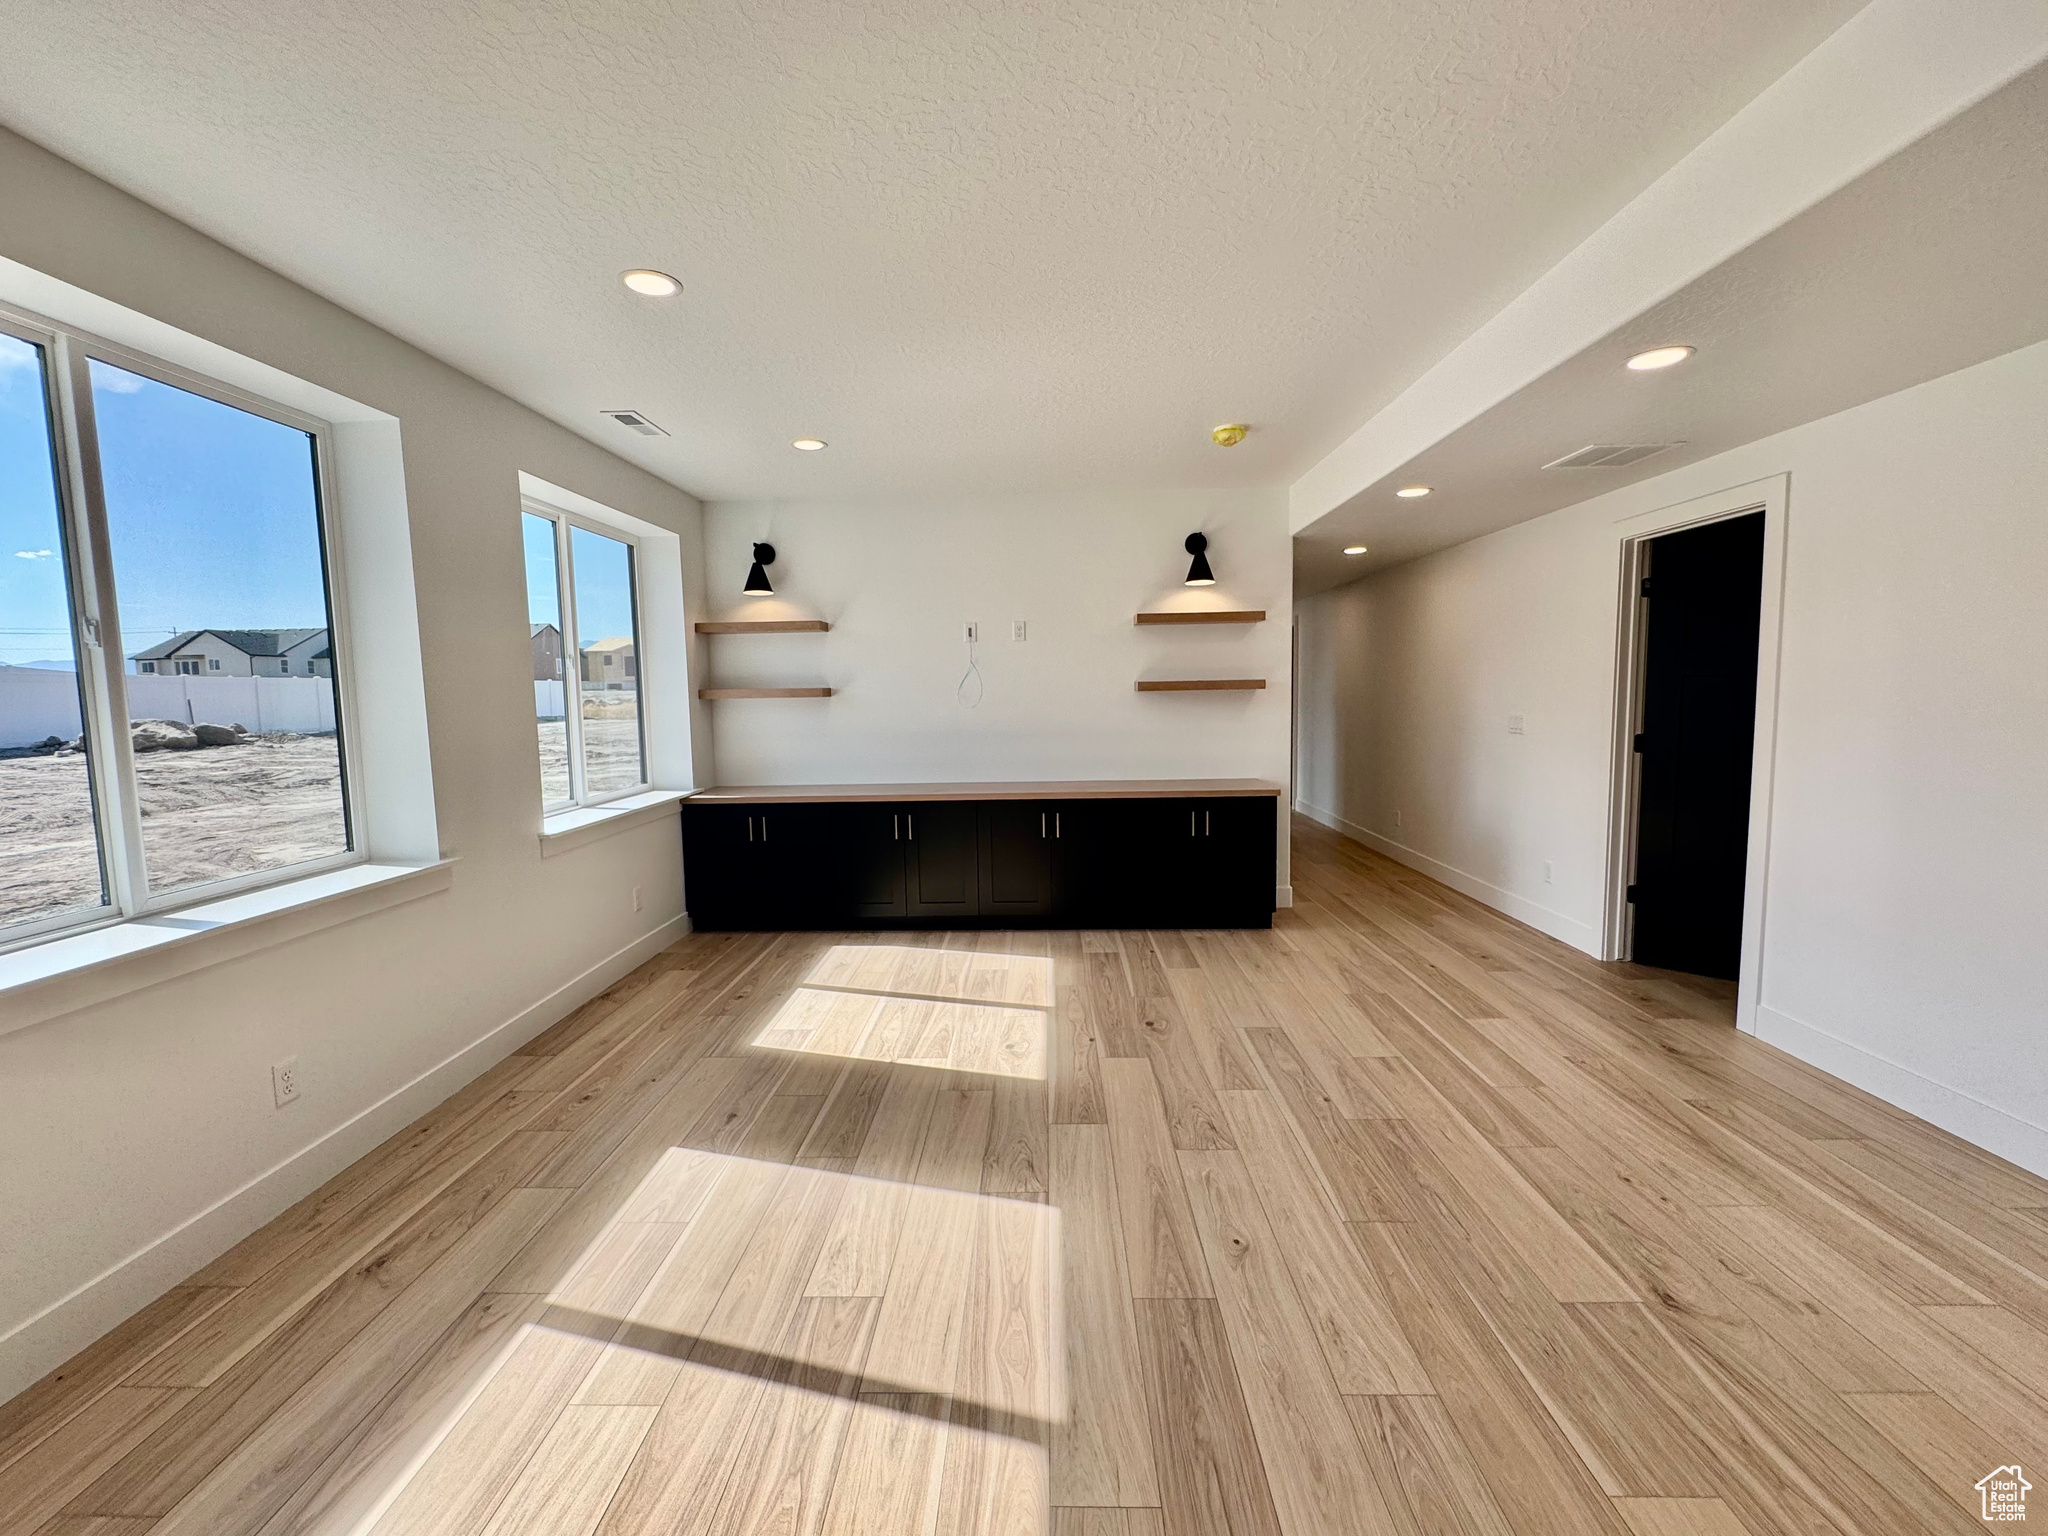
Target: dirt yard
[
  {"x": 611, "y": 750},
  {"x": 272, "y": 802},
  {"x": 206, "y": 815}
]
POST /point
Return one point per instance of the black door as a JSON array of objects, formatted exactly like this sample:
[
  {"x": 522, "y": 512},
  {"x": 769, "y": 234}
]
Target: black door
[
  {"x": 720, "y": 876},
  {"x": 1157, "y": 866},
  {"x": 940, "y": 862},
  {"x": 1704, "y": 602},
  {"x": 1016, "y": 858},
  {"x": 870, "y": 843},
  {"x": 1234, "y": 858}
]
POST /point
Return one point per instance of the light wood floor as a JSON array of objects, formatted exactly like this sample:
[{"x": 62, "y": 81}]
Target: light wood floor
[{"x": 1399, "y": 1218}]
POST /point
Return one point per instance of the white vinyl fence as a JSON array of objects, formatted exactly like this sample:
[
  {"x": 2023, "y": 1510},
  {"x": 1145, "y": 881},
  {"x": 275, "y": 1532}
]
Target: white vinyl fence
[
  {"x": 549, "y": 702},
  {"x": 36, "y": 704}
]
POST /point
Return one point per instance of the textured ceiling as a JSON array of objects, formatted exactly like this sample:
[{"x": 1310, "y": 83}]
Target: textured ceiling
[
  {"x": 1929, "y": 263},
  {"x": 988, "y": 245}
]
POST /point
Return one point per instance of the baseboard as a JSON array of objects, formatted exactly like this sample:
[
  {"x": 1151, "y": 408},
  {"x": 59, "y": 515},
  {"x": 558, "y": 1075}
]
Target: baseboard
[
  {"x": 1984, "y": 1125},
  {"x": 1568, "y": 930},
  {"x": 59, "y": 1331}
]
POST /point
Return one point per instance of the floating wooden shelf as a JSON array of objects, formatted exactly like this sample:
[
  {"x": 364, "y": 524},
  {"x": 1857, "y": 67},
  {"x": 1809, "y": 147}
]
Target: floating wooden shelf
[
  {"x": 763, "y": 627},
  {"x": 772, "y": 693},
  {"x": 1199, "y": 684},
  {"x": 1197, "y": 616}
]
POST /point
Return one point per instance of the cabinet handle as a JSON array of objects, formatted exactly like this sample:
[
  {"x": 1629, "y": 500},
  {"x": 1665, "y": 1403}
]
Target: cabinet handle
[
  {"x": 1191, "y": 823},
  {"x": 1055, "y": 823},
  {"x": 1041, "y": 825},
  {"x": 1205, "y": 823},
  {"x": 896, "y": 828},
  {"x": 764, "y": 829},
  {"x": 911, "y": 822},
  {"x": 750, "y": 829}
]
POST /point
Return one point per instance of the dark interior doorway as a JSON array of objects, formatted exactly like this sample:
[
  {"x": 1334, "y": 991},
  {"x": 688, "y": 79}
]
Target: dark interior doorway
[{"x": 1703, "y": 601}]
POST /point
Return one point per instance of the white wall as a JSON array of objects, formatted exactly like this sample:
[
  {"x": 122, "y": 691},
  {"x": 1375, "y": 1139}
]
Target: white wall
[
  {"x": 137, "y": 1138},
  {"x": 897, "y": 581},
  {"x": 1907, "y": 894}
]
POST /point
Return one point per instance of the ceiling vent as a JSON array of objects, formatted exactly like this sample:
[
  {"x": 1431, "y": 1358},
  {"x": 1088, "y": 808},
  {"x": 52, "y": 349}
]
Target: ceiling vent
[
  {"x": 1609, "y": 455},
  {"x": 636, "y": 421}
]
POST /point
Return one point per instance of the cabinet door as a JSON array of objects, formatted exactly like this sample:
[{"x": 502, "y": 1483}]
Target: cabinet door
[
  {"x": 870, "y": 845},
  {"x": 1151, "y": 864},
  {"x": 714, "y": 865},
  {"x": 1085, "y": 860},
  {"x": 1016, "y": 858},
  {"x": 940, "y": 859},
  {"x": 797, "y": 871},
  {"x": 1236, "y": 854}
]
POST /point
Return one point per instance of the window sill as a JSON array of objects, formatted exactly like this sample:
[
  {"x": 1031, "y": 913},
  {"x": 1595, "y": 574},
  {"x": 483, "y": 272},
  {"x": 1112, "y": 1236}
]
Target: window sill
[
  {"x": 586, "y": 824},
  {"x": 76, "y": 971}
]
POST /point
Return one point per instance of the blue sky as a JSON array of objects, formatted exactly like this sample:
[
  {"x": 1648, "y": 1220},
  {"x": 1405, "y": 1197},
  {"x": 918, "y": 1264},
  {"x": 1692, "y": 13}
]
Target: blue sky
[
  {"x": 604, "y": 592},
  {"x": 211, "y": 515},
  {"x": 210, "y": 511},
  {"x": 32, "y": 608}
]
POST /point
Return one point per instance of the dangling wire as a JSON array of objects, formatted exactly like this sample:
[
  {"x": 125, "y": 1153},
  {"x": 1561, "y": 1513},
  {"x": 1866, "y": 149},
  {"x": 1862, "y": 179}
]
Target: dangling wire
[{"x": 973, "y": 672}]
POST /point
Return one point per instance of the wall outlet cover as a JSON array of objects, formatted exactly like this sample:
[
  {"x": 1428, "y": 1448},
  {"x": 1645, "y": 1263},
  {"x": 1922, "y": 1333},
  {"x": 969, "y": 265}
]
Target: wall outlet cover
[
  {"x": 1016, "y": 629},
  {"x": 284, "y": 1081},
  {"x": 970, "y": 635},
  {"x": 1515, "y": 725}
]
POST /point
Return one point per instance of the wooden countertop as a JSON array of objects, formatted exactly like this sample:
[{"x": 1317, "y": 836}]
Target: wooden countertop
[{"x": 1056, "y": 789}]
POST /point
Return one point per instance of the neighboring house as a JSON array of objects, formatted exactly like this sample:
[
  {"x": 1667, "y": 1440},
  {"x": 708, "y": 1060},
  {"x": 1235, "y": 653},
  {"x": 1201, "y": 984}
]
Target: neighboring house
[
  {"x": 240, "y": 653},
  {"x": 610, "y": 663},
  {"x": 547, "y": 654}
]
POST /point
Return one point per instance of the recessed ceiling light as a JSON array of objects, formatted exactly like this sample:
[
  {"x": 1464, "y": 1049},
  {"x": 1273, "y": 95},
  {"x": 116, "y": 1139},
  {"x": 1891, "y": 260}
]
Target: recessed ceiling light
[
  {"x": 1354, "y": 549},
  {"x": 1659, "y": 357},
  {"x": 656, "y": 285},
  {"x": 1410, "y": 492},
  {"x": 808, "y": 444}
]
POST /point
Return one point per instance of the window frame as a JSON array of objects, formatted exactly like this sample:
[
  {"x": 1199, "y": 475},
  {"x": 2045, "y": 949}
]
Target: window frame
[
  {"x": 101, "y": 657},
  {"x": 563, "y": 520}
]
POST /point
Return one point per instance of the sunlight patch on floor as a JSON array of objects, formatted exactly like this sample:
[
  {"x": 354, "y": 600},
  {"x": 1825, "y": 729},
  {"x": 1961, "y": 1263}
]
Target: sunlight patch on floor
[{"x": 853, "y": 1351}]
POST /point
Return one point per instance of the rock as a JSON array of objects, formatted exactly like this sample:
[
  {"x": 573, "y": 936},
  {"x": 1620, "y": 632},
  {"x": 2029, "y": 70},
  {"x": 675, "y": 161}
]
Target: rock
[
  {"x": 47, "y": 745},
  {"x": 219, "y": 735},
  {"x": 162, "y": 735}
]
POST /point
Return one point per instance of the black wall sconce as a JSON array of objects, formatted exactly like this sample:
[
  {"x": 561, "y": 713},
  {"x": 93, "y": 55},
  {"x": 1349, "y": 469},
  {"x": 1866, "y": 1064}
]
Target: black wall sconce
[
  {"x": 1199, "y": 574},
  {"x": 757, "y": 576}
]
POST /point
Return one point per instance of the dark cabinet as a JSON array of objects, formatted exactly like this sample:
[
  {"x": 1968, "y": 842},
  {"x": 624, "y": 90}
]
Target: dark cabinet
[
  {"x": 870, "y": 847},
  {"x": 1105, "y": 863},
  {"x": 1017, "y": 847},
  {"x": 758, "y": 867},
  {"x": 940, "y": 858}
]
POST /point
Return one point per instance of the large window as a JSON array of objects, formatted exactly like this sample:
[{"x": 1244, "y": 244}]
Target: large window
[
  {"x": 155, "y": 748},
  {"x": 582, "y": 607}
]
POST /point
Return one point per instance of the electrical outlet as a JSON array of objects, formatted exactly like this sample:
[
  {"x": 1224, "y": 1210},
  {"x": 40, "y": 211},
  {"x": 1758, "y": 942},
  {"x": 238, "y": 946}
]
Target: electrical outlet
[
  {"x": 971, "y": 632},
  {"x": 636, "y": 898},
  {"x": 1016, "y": 629},
  {"x": 1546, "y": 871},
  {"x": 1514, "y": 725},
  {"x": 284, "y": 1081}
]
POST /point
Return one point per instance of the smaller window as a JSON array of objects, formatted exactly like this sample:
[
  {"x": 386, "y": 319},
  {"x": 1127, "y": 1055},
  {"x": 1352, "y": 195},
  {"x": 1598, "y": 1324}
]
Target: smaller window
[
  {"x": 147, "y": 666},
  {"x": 582, "y": 586},
  {"x": 188, "y": 666},
  {"x": 213, "y": 663}
]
